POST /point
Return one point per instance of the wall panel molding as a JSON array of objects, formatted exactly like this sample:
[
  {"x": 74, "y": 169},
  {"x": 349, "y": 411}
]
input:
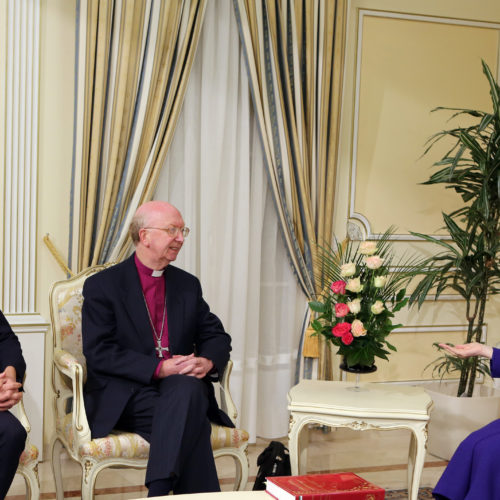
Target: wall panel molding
[
  {"x": 21, "y": 151},
  {"x": 359, "y": 224},
  {"x": 19, "y": 271}
]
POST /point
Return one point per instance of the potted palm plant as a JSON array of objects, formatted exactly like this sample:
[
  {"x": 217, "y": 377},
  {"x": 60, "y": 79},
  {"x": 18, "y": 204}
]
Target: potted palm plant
[{"x": 468, "y": 264}]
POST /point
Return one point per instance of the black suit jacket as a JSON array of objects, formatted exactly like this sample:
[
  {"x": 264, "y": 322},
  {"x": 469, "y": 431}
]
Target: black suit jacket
[
  {"x": 118, "y": 342},
  {"x": 10, "y": 350}
]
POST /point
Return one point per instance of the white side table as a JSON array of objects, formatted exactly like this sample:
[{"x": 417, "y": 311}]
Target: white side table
[{"x": 372, "y": 406}]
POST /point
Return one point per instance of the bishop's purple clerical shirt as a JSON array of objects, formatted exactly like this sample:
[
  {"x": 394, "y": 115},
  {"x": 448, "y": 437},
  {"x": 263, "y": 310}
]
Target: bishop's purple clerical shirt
[{"x": 153, "y": 288}]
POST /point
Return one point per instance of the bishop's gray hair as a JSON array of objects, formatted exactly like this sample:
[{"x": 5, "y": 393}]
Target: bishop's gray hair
[{"x": 137, "y": 223}]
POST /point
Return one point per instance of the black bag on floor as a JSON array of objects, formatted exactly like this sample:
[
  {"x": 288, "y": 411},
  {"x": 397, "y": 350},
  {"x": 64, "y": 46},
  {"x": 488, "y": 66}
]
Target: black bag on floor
[{"x": 273, "y": 461}]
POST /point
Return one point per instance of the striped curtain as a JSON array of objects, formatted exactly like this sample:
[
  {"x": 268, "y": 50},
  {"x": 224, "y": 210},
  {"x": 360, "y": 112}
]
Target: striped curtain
[
  {"x": 138, "y": 55},
  {"x": 294, "y": 57}
]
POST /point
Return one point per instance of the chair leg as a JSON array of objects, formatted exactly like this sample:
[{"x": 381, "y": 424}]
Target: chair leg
[
  {"x": 30, "y": 475},
  {"x": 237, "y": 476},
  {"x": 56, "y": 468},
  {"x": 241, "y": 461},
  {"x": 239, "y": 455},
  {"x": 89, "y": 476}
]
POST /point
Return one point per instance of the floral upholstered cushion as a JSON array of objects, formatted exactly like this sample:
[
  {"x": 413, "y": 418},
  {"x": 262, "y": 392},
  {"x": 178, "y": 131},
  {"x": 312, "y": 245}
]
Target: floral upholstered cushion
[
  {"x": 130, "y": 445},
  {"x": 227, "y": 437},
  {"x": 69, "y": 304},
  {"x": 29, "y": 455},
  {"x": 117, "y": 444}
]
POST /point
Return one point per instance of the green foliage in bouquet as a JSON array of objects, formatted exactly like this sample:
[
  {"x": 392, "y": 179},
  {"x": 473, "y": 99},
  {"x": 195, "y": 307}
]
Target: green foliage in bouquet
[
  {"x": 469, "y": 264},
  {"x": 362, "y": 290}
]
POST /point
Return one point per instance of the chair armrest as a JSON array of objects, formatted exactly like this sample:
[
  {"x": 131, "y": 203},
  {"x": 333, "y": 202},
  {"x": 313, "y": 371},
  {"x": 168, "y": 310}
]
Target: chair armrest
[
  {"x": 68, "y": 365},
  {"x": 20, "y": 412},
  {"x": 22, "y": 417},
  {"x": 226, "y": 401},
  {"x": 64, "y": 360}
]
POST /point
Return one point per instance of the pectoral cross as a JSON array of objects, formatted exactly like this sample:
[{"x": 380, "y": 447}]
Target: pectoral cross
[{"x": 159, "y": 349}]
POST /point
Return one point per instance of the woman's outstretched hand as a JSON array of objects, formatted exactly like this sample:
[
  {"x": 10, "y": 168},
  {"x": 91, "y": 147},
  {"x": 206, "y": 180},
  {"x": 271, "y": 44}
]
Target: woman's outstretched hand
[{"x": 468, "y": 350}]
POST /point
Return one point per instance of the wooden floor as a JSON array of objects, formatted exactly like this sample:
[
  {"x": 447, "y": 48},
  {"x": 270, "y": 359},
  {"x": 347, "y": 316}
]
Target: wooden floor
[{"x": 378, "y": 456}]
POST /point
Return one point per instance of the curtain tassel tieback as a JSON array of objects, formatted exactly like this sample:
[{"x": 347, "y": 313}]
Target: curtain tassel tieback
[{"x": 55, "y": 253}]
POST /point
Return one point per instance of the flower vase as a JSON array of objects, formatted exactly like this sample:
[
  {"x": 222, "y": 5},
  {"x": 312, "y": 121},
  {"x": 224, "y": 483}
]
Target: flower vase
[{"x": 358, "y": 370}]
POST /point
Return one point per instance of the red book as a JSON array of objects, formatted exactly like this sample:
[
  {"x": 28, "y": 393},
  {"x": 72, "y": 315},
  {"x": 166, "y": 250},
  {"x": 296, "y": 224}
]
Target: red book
[{"x": 343, "y": 486}]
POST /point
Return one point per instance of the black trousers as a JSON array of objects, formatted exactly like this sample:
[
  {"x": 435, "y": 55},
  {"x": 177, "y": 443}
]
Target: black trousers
[
  {"x": 172, "y": 416},
  {"x": 12, "y": 441}
]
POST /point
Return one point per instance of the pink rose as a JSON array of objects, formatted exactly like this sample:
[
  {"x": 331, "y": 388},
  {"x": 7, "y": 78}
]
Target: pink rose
[
  {"x": 341, "y": 310},
  {"x": 341, "y": 329},
  {"x": 358, "y": 329},
  {"x": 347, "y": 338},
  {"x": 338, "y": 287}
]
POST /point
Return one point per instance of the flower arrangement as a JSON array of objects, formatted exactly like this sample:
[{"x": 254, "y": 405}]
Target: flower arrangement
[{"x": 363, "y": 289}]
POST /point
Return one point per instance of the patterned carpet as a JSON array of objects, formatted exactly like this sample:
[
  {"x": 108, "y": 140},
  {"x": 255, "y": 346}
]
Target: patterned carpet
[{"x": 423, "y": 494}]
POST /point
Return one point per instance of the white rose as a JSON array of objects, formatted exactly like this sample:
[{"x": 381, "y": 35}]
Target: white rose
[
  {"x": 367, "y": 247},
  {"x": 354, "y": 285},
  {"x": 377, "y": 307},
  {"x": 354, "y": 306},
  {"x": 373, "y": 262},
  {"x": 348, "y": 269},
  {"x": 380, "y": 281}
]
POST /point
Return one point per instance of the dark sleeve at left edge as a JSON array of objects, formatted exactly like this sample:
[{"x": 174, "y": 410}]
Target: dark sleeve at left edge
[{"x": 11, "y": 353}]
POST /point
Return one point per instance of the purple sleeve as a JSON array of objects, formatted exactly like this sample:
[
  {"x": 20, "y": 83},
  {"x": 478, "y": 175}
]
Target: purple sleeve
[{"x": 495, "y": 363}]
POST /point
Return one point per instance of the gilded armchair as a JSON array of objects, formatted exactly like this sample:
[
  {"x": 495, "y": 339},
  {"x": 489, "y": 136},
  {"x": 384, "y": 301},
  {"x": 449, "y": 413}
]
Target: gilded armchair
[{"x": 119, "y": 449}]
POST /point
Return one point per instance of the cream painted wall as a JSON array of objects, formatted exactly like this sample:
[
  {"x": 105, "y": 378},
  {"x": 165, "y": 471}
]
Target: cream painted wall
[
  {"x": 403, "y": 58},
  {"x": 57, "y": 63},
  {"x": 402, "y": 78}
]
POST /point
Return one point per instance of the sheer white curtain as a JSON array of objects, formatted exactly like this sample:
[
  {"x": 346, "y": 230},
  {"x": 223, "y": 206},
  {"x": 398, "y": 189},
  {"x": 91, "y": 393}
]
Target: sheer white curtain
[{"x": 214, "y": 174}]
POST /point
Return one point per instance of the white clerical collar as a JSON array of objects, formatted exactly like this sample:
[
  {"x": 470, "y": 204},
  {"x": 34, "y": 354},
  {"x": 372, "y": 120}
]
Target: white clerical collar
[{"x": 157, "y": 274}]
